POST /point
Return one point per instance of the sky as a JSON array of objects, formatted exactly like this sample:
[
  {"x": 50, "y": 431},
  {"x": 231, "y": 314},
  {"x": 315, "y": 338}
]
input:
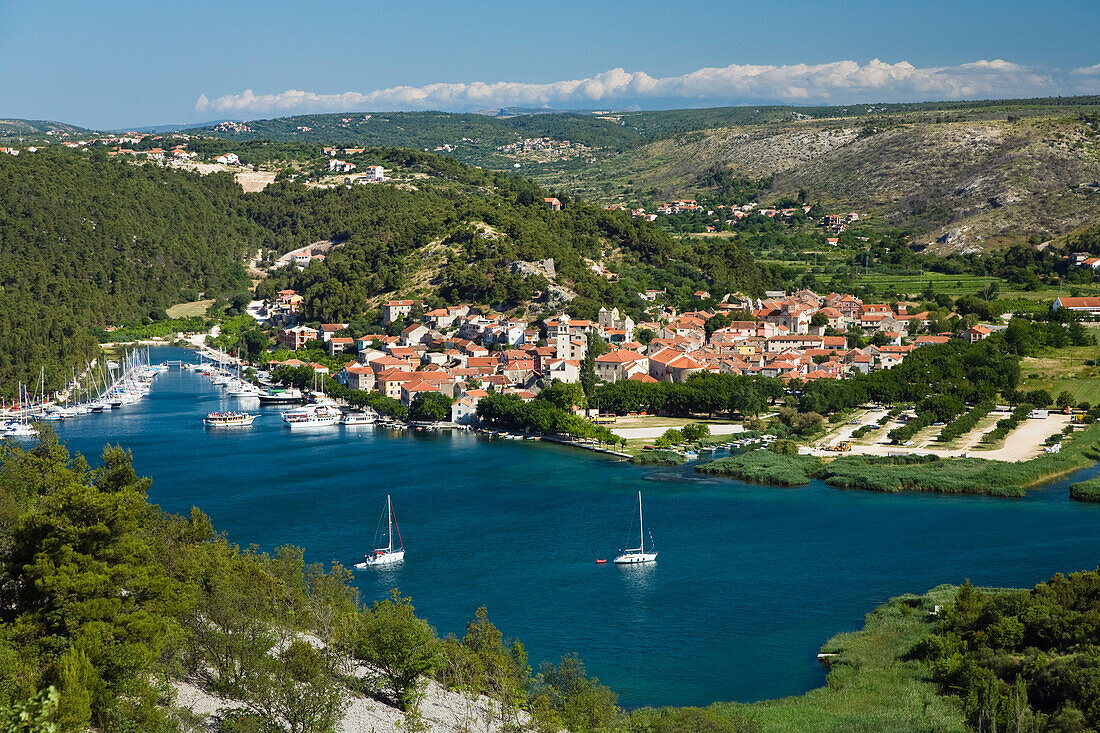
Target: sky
[{"x": 113, "y": 64}]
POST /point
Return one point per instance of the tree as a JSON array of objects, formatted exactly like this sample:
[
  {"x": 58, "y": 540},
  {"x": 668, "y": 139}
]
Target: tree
[
  {"x": 784, "y": 447},
  {"x": 596, "y": 348},
  {"x": 1065, "y": 400},
  {"x": 694, "y": 431},
  {"x": 255, "y": 343},
  {"x": 430, "y": 407},
  {"x": 298, "y": 688},
  {"x": 672, "y": 436},
  {"x": 80, "y": 567},
  {"x": 716, "y": 323},
  {"x": 1038, "y": 397},
  {"x": 400, "y": 648},
  {"x": 580, "y": 702},
  {"x": 563, "y": 395},
  {"x": 496, "y": 668}
]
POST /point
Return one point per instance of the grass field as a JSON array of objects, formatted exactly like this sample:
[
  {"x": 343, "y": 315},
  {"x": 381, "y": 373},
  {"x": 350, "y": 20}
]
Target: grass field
[
  {"x": 953, "y": 285},
  {"x": 1064, "y": 369},
  {"x": 186, "y": 310}
]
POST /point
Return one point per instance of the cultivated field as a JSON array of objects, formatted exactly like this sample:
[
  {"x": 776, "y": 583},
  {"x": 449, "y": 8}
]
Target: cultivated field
[{"x": 194, "y": 308}]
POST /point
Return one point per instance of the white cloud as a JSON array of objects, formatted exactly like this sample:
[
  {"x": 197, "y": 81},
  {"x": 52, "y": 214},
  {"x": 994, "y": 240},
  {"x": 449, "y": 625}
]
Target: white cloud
[{"x": 838, "y": 82}]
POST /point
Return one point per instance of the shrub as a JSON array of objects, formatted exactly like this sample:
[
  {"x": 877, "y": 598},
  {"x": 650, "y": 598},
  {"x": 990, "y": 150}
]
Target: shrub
[
  {"x": 784, "y": 447},
  {"x": 1086, "y": 490},
  {"x": 764, "y": 466},
  {"x": 694, "y": 431},
  {"x": 658, "y": 458},
  {"x": 672, "y": 436}
]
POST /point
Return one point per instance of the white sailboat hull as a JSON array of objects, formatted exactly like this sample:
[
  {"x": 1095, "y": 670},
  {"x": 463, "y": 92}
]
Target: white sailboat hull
[
  {"x": 382, "y": 557},
  {"x": 632, "y": 557}
]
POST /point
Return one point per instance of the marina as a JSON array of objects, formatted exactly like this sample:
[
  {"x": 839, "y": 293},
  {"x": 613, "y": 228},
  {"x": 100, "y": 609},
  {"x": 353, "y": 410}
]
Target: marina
[
  {"x": 102, "y": 387},
  {"x": 515, "y": 524}
]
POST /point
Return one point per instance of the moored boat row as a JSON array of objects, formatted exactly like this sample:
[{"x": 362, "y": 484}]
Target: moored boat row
[{"x": 105, "y": 386}]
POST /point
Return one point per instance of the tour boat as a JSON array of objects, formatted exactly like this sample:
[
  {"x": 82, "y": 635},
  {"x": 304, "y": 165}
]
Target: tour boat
[
  {"x": 280, "y": 396},
  {"x": 638, "y": 554},
  {"x": 359, "y": 418},
  {"x": 311, "y": 416},
  {"x": 242, "y": 389},
  {"x": 386, "y": 555},
  {"x": 228, "y": 419}
]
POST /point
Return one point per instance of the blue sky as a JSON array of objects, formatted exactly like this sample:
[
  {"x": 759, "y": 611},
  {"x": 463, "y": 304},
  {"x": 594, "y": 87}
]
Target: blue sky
[{"x": 110, "y": 63}]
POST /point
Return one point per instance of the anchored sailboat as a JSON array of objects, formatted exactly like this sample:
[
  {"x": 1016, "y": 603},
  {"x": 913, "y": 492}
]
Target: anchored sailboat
[
  {"x": 638, "y": 554},
  {"x": 386, "y": 555}
]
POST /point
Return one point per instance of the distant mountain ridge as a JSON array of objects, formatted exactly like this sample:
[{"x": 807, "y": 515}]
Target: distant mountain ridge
[
  {"x": 964, "y": 176},
  {"x": 168, "y": 127},
  {"x": 16, "y": 126}
]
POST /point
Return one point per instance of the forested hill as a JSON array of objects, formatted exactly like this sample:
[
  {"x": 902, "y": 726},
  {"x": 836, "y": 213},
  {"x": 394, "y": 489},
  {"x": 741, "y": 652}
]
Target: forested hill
[
  {"x": 473, "y": 236},
  {"x": 87, "y": 241}
]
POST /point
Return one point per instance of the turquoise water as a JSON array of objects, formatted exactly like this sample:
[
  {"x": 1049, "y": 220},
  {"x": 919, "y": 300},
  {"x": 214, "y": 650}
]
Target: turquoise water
[{"x": 750, "y": 580}]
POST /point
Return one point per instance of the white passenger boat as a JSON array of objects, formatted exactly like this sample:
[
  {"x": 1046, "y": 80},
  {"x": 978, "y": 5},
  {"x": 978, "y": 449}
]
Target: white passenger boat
[
  {"x": 242, "y": 389},
  {"x": 638, "y": 554},
  {"x": 387, "y": 555},
  {"x": 228, "y": 419},
  {"x": 280, "y": 396},
  {"x": 360, "y": 418},
  {"x": 311, "y": 416}
]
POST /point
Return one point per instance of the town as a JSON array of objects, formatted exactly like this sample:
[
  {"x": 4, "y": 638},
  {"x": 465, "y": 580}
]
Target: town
[{"x": 464, "y": 353}]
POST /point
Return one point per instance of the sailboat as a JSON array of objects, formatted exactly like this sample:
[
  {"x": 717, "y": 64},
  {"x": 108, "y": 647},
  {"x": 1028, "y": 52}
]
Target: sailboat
[
  {"x": 386, "y": 555},
  {"x": 638, "y": 554}
]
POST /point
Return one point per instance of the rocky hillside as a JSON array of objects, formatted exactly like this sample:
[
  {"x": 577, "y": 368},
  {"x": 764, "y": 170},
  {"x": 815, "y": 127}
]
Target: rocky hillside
[
  {"x": 963, "y": 185},
  {"x": 35, "y": 128}
]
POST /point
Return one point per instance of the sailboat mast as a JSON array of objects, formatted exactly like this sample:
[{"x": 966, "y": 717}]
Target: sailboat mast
[
  {"x": 641, "y": 525},
  {"x": 389, "y": 521}
]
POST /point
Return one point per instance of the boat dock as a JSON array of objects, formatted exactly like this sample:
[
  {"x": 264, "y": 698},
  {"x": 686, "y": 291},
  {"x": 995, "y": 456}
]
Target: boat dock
[{"x": 587, "y": 446}]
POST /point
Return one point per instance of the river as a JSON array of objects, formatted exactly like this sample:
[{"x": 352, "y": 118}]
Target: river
[{"x": 750, "y": 581}]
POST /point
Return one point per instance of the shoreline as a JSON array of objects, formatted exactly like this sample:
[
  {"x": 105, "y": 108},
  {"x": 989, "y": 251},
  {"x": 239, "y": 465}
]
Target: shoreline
[{"x": 1080, "y": 458}]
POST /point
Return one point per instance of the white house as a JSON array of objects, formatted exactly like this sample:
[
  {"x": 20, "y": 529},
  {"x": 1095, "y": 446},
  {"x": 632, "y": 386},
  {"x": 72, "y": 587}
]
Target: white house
[
  {"x": 563, "y": 370},
  {"x": 395, "y": 309},
  {"x": 464, "y": 411},
  {"x": 228, "y": 159},
  {"x": 1081, "y": 305}
]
